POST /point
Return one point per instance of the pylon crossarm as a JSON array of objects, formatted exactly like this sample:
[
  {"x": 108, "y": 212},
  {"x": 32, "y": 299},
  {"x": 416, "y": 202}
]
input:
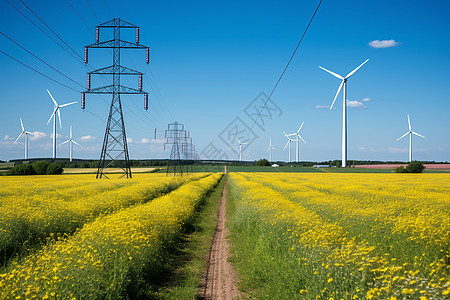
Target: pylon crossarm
[{"x": 116, "y": 43}]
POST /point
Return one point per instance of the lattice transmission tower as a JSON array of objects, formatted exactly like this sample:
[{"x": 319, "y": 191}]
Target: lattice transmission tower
[
  {"x": 178, "y": 137},
  {"x": 115, "y": 148}
]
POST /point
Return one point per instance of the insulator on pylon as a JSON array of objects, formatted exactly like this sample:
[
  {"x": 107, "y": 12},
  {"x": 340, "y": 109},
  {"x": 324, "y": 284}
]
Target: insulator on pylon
[
  {"x": 147, "y": 55},
  {"x": 140, "y": 82},
  {"x": 88, "y": 81},
  {"x": 137, "y": 35},
  {"x": 146, "y": 101},
  {"x": 83, "y": 103},
  {"x": 85, "y": 55},
  {"x": 97, "y": 34}
]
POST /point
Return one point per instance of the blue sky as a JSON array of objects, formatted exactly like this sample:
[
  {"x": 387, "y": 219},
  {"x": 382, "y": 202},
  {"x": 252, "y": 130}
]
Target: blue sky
[{"x": 211, "y": 59}]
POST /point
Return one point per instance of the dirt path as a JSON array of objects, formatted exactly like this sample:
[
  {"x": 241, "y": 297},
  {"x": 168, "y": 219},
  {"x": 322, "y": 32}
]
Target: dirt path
[{"x": 219, "y": 280}]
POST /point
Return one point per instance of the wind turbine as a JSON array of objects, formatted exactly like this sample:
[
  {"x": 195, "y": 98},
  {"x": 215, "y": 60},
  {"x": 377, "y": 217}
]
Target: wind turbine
[
  {"x": 71, "y": 141},
  {"x": 53, "y": 115},
  {"x": 270, "y": 149},
  {"x": 288, "y": 143},
  {"x": 344, "y": 107},
  {"x": 26, "y": 138},
  {"x": 410, "y": 132},
  {"x": 297, "y": 134},
  {"x": 240, "y": 148}
]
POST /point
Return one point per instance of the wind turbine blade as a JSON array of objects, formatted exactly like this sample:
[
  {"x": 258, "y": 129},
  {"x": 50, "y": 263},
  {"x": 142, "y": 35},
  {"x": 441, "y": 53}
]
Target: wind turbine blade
[
  {"x": 76, "y": 143},
  {"x": 18, "y": 137},
  {"x": 418, "y": 134},
  {"x": 285, "y": 134},
  {"x": 300, "y": 128},
  {"x": 409, "y": 124},
  {"x": 267, "y": 149},
  {"x": 237, "y": 140},
  {"x": 332, "y": 73},
  {"x": 27, "y": 132},
  {"x": 403, "y": 136},
  {"x": 59, "y": 117},
  {"x": 244, "y": 143},
  {"x": 286, "y": 145},
  {"x": 353, "y": 72},
  {"x": 54, "y": 101},
  {"x": 67, "y": 104},
  {"x": 337, "y": 93},
  {"x": 51, "y": 116},
  {"x": 301, "y": 138},
  {"x": 21, "y": 124},
  {"x": 64, "y": 142}
]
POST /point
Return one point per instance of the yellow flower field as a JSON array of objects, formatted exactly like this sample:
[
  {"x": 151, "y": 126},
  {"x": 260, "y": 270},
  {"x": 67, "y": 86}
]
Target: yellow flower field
[
  {"x": 34, "y": 208},
  {"x": 348, "y": 236},
  {"x": 110, "y": 257}
]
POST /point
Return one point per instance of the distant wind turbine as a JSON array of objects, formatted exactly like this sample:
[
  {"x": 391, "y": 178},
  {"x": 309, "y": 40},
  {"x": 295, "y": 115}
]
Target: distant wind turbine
[
  {"x": 410, "y": 132},
  {"x": 270, "y": 149},
  {"x": 288, "y": 143},
  {"x": 240, "y": 148},
  {"x": 53, "y": 115},
  {"x": 26, "y": 138},
  {"x": 71, "y": 141},
  {"x": 297, "y": 134},
  {"x": 344, "y": 108}
]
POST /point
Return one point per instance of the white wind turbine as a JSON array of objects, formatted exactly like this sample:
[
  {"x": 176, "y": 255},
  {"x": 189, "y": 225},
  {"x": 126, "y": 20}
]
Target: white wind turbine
[
  {"x": 270, "y": 149},
  {"x": 344, "y": 107},
  {"x": 53, "y": 115},
  {"x": 26, "y": 138},
  {"x": 240, "y": 148},
  {"x": 288, "y": 143},
  {"x": 298, "y": 140},
  {"x": 71, "y": 141},
  {"x": 410, "y": 132}
]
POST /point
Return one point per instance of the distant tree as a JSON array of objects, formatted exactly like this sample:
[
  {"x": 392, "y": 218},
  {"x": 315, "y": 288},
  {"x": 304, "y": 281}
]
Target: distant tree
[
  {"x": 262, "y": 162},
  {"x": 415, "y": 167},
  {"x": 22, "y": 169},
  {"x": 41, "y": 167},
  {"x": 400, "y": 169},
  {"x": 54, "y": 168}
]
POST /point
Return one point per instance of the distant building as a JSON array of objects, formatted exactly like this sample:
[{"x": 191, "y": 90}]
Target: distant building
[
  {"x": 321, "y": 166},
  {"x": 275, "y": 166}
]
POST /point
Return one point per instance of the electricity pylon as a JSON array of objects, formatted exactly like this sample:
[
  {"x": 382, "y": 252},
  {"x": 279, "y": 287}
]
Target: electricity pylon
[{"x": 115, "y": 148}]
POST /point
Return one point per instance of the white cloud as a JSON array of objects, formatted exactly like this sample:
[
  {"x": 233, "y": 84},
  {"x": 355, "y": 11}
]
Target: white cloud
[
  {"x": 88, "y": 138},
  {"x": 38, "y": 135},
  {"x": 159, "y": 141},
  {"x": 129, "y": 140},
  {"x": 322, "y": 106},
  {"x": 362, "y": 148},
  {"x": 397, "y": 150},
  {"x": 144, "y": 141},
  {"x": 383, "y": 43},
  {"x": 355, "y": 104},
  {"x": 366, "y": 100},
  {"x": 8, "y": 138}
]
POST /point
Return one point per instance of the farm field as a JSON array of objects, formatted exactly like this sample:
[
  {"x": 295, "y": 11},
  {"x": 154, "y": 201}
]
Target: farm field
[
  {"x": 341, "y": 236},
  {"x": 109, "y": 170},
  {"x": 35, "y": 208},
  {"x": 112, "y": 256}
]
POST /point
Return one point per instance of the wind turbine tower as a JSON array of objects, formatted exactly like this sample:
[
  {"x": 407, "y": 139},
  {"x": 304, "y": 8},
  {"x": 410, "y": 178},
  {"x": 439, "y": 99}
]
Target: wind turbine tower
[
  {"x": 240, "y": 148},
  {"x": 26, "y": 138},
  {"x": 71, "y": 141},
  {"x": 297, "y": 134},
  {"x": 288, "y": 143},
  {"x": 57, "y": 109},
  {"x": 410, "y": 132},
  {"x": 344, "y": 107},
  {"x": 270, "y": 149}
]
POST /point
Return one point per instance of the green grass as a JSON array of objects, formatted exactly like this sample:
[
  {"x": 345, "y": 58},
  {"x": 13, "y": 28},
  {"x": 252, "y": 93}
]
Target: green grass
[{"x": 187, "y": 263}]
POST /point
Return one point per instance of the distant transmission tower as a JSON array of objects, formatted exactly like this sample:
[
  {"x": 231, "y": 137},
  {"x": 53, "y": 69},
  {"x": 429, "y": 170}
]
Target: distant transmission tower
[
  {"x": 115, "y": 149},
  {"x": 177, "y": 137}
]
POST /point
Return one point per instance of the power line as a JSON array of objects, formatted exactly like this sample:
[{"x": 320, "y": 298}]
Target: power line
[
  {"x": 285, "y": 68},
  {"x": 109, "y": 9},
  {"x": 41, "y": 59},
  {"x": 82, "y": 20},
  {"x": 87, "y": 1},
  {"x": 44, "y": 31},
  {"x": 39, "y": 72}
]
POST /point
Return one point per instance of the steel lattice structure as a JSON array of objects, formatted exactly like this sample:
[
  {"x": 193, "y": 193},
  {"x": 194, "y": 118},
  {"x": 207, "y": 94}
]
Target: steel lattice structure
[
  {"x": 115, "y": 148},
  {"x": 181, "y": 141}
]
